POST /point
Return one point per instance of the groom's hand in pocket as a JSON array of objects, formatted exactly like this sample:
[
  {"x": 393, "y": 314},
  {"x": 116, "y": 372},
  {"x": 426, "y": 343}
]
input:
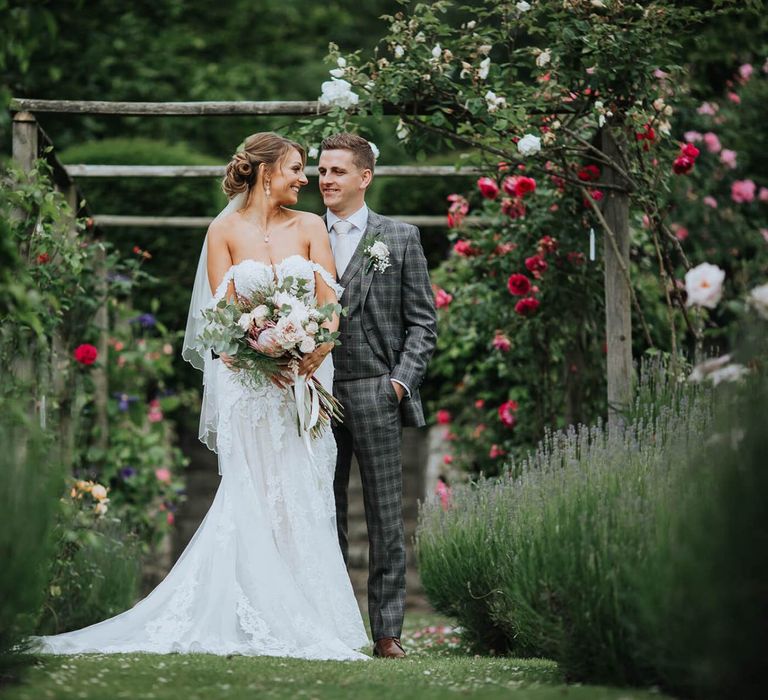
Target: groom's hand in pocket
[{"x": 399, "y": 390}]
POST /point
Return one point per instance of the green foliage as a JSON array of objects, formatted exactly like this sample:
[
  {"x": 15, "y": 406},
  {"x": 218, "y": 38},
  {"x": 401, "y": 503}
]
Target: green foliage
[
  {"x": 95, "y": 572},
  {"x": 31, "y": 478}
]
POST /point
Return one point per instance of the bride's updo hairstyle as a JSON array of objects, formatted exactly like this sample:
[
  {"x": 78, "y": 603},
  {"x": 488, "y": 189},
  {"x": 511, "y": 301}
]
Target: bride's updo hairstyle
[{"x": 264, "y": 147}]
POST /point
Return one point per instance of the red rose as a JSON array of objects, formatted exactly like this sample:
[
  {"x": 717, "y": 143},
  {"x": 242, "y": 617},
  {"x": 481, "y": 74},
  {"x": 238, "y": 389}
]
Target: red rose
[
  {"x": 464, "y": 248},
  {"x": 43, "y": 258},
  {"x": 488, "y": 187},
  {"x": 506, "y": 413},
  {"x": 589, "y": 173},
  {"x": 479, "y": 403},
  {"x": 527, "y": 306},
  {"x": 518, "y": 285},
  {"x": 442, "y": 298},
  {"x": 576, "y": 258},
  {"x": 501, "y": 342},
  {"x": 513, "y": 208},
  {"x": 682, "y": 165},
  {"x": 524, "y": 185},
  {"x": 443, "y": 417},
  {"x": 690, "y": 151},
  {"x": 536, "y": 265},
  {"x": 547, "y": 244},
  {"x": 85, "y": 354},
  {"x": 457, "y": 210}
]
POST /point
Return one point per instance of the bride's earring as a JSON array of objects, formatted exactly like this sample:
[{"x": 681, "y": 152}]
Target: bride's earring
[{"x": 266, "y": 189}]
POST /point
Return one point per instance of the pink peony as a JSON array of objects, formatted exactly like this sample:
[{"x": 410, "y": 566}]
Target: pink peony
[
  {"x": 488, "y": 187},
  {"x": 743, "y": 191},
  {"x": 710, "y": 201},
  {"x": 501, "y": 342},
  {"x": 163, "y": 475},
  {"x": 728, "y": 158},
  {"x": 712, "y": 142},
  {"x": 442, "y": 299}
]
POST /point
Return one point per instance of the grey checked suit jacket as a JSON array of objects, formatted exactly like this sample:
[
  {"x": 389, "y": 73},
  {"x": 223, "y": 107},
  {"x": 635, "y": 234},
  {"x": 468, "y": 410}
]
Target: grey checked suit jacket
[{"x": 397, "y": 308}]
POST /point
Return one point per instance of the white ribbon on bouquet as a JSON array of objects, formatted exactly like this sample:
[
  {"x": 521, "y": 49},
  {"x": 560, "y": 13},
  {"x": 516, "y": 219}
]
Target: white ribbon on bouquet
[{"x": 307, "y": 407}]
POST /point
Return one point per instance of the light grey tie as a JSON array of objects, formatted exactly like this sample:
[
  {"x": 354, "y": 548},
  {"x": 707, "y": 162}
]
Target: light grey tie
[{"x": 345, "y": 245}]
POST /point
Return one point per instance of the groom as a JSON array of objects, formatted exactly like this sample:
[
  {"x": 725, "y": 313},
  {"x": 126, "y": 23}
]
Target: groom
[{"x": 387, "y": 338}]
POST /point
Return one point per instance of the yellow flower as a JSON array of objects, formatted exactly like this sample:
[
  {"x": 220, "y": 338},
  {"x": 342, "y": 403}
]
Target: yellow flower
[{"x": 98, "y": 492}]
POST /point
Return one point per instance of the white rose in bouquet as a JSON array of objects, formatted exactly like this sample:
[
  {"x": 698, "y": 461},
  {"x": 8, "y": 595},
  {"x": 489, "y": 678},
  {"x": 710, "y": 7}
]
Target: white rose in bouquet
[
  {"x": 260, "y": 315},
  {"x": 308, "y": 344}
]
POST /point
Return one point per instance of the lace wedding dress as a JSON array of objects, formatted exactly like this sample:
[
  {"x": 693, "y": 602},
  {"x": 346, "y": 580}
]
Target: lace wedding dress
[{"x": 263, "y": 575}]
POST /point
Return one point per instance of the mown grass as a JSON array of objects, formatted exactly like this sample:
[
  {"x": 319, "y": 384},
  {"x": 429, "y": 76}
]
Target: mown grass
[{"x": 436, "y": 667}]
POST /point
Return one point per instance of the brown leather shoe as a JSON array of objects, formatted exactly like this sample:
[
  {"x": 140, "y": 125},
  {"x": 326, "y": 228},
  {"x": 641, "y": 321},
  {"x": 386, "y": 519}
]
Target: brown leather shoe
[{"x": 388, "y": 648}]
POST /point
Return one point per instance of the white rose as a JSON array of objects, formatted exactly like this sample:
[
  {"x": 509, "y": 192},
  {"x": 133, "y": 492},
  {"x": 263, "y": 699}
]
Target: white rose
[
  {"x": 543, "y": 58},
  {"x": 704, "y": 285},
  {"x": 523, "y": 6},
  {"x": 379, "y": 249},
  {"x": 288, "y": 333},
  {"x": 399, "y": 51},
  {"x": 245, "y": 321},
  {"x": 259, "y": 315},
  {"x": 758, "y": 298},
  {"x": 420, "y": 38},
  {"x": 375, "y": 150},
  {"x": 313, "y": 152},
  {"x": 485, "y": 67},
  {"x": 598, "y": 3},
  {"x": 529, "y": 145},
  {"x": 494, "y": 101},
  {"x": 341, "y": 62},
  {"x": 401, "y": 130},
  {"x": 312, "y": 327},
  {"x": 471, "y": 24},
  {"x": 337, "y": 93},
  {"x": 337, "y": 72},
  {"x": 436, "y": 51},
  {"x": 307, "y": 345}
]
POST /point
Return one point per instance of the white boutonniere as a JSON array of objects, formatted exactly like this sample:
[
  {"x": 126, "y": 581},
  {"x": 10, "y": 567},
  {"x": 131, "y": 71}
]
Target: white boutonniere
[{"x": 378, "y": 256}]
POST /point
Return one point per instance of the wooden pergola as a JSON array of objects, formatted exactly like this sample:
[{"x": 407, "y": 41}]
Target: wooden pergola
[{"x": 28, "y": 139}]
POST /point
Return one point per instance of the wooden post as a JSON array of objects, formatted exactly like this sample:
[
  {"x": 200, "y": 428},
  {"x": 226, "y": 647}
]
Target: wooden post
[
  {"x": 25, "y": 141},
  {"x": 100, "y": 376},
  {"x": 618, "y": 299}
]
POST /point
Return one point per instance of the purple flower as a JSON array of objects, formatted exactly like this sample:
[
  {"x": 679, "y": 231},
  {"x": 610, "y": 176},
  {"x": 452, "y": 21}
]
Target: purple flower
[
  {"x": 127, "y": 473},
  {"x": 144, "y": 320},
  {"x": 124, "y": 401}
]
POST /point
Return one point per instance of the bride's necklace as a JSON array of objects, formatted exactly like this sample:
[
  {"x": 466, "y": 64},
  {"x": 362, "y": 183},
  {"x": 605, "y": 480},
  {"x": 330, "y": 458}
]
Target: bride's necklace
[{"x": 262, "y": 231}]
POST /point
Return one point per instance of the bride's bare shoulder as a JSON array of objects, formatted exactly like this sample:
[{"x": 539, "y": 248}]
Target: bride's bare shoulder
[
  {"x": 309, "y": 223},
  {"x": 220, "y": 229}
]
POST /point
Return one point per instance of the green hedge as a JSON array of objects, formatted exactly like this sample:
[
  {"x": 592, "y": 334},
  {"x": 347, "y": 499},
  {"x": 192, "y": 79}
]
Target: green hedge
[{"x": 636, "y": 558}]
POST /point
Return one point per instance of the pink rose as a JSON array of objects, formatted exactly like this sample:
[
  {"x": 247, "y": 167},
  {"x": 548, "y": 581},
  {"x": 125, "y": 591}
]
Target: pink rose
[
  {"x": 506, "y": 413},
  {"x": 733, "y": 97},
  {"x": 442, "y": 299},
  {"x": 464, "y": 248},
  {"x": 712, "y": 142},
  {"x": 681, "y": 233},
  {"x": 743, "y": 191},
  {"x": 728, "y": 158},
  {"x": 488, "y": 187},
  {"x": 710, "y": 201},
  {"x": 163, "y": 475},
  {"x": 708, "y": 108},
  {"x": 501, "y": 342},
  {"x": 745, "y": 72},
  {"x": 458, "y": 209},
  {"x": 496, "y": 451}
]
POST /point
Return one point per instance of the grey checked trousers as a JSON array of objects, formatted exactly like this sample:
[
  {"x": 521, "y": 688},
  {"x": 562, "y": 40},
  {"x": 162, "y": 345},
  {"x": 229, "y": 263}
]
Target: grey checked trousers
[{"x": 372, "y": 431}]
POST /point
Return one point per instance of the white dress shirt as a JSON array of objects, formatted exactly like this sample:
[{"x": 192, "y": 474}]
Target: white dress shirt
[{"x": 359, "y": 221}]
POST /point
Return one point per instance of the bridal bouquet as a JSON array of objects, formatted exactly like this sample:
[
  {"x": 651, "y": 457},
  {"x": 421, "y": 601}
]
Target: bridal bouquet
[{"x": 266, "y": 334}]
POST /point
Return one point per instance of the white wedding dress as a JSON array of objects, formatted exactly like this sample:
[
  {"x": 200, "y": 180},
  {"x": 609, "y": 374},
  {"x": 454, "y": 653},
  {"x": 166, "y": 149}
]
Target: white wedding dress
[{"x": 263, "y": 575}]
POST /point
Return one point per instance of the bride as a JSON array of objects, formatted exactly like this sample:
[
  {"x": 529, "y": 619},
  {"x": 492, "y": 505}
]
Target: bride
[{"x": 263, "y": 575}]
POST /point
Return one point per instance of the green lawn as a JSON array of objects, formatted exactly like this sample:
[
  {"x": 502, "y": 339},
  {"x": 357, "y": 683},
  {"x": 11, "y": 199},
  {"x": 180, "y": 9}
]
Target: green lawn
[{"x": 436, "y": 666}]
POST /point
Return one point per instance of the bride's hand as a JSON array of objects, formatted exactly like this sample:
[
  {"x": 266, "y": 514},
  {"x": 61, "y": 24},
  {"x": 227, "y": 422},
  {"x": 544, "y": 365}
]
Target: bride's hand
[
  {"x": 284, "y": 378},
  {"x": 311, "y": 362}
]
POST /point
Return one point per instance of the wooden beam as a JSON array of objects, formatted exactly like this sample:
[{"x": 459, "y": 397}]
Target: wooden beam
[
  {"x": 201, "y": 222},
  {"x": 26, "y": 145},
  {"x": 618, "y": 298},
  {"x": 216, "y": 171}
]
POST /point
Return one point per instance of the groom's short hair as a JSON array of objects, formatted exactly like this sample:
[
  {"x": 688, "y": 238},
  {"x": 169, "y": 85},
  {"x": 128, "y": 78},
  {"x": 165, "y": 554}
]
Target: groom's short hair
[{"x": 362, "y": 153}]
